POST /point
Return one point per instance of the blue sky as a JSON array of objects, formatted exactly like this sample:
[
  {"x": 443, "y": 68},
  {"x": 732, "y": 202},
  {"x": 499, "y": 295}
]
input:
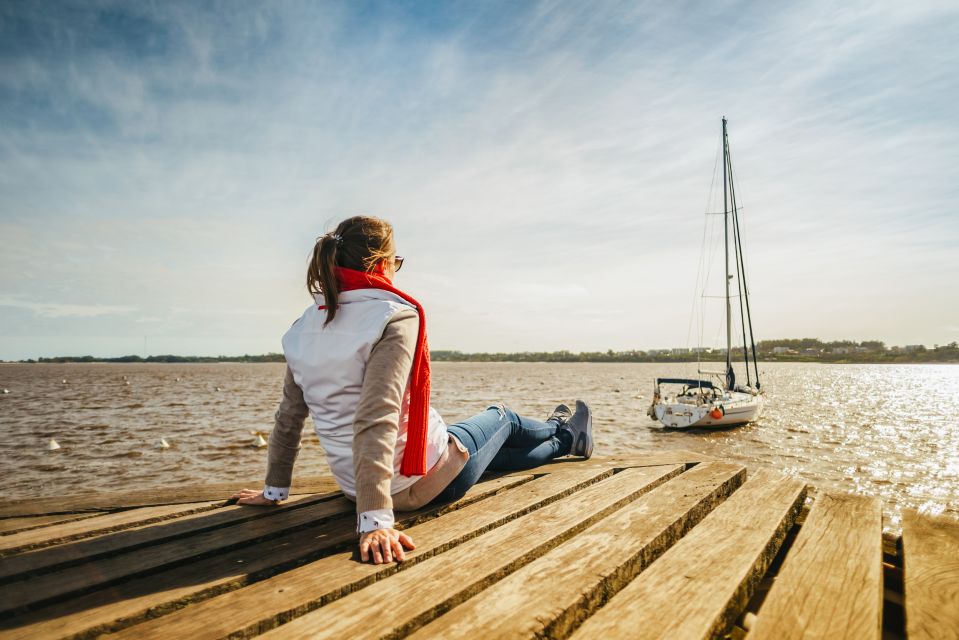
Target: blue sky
[{"x": 165, "y": 167}]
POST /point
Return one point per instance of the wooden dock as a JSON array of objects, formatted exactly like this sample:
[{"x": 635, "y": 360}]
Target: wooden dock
[{"x": 670, "y": 545}]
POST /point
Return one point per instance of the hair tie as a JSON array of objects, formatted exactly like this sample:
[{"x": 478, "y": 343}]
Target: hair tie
[{"x": 337, "y": 238}]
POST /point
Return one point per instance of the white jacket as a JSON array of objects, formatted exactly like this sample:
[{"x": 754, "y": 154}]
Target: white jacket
[{"x": 329, "y": 362}]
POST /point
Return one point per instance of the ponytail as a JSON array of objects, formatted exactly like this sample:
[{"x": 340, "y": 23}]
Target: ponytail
[
  {"x": 321, "y": 274},
  {"x": 357, "y": 243}
]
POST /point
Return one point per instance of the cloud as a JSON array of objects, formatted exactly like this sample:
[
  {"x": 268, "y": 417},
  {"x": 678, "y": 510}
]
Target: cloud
[
  {"x": 177, "y": 156},
  {"x": 60, "y": 310}
]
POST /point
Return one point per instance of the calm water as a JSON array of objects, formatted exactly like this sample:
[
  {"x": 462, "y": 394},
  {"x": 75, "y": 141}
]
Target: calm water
[{"x": 884, "y": 430}]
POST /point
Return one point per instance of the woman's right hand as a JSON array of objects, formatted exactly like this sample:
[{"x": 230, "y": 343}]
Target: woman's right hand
[
  {"x": 384, "y": 545},
  {"x": 252, "y": 497}
]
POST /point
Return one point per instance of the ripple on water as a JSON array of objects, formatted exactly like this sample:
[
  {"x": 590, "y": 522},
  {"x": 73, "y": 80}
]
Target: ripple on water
[{"x": 854, "y": 427}]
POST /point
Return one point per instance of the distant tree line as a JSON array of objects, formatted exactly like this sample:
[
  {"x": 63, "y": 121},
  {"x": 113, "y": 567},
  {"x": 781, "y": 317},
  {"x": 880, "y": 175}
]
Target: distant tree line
[
  {"x": 269, "y": 357},
  {"x": 782, "y": 350}
]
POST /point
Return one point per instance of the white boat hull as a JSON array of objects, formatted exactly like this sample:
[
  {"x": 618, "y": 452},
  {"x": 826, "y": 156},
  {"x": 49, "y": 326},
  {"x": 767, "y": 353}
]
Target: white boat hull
[{"x": 733, "y": 409}]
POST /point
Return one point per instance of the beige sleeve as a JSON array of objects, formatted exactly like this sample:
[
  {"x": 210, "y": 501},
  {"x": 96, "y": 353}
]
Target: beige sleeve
[
  {"x": 285, "y": 437},
  {"x": 377, "y": 416}
]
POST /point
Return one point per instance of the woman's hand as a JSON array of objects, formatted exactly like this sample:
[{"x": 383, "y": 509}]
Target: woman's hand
[
  {"x": 384, "y": 545},
  {"x": 252, "y": 496}
]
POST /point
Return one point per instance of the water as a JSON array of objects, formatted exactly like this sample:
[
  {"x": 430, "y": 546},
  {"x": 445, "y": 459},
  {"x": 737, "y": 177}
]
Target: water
[{"x": 885, "y": 430}]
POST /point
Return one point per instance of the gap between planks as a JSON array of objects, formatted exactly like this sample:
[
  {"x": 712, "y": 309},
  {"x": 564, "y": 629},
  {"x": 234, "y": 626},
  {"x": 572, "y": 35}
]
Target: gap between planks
[
  {"x": 586, "y": 522},
  {"x": 266, "y": 604},
  {"x": 162, "y": 593}
]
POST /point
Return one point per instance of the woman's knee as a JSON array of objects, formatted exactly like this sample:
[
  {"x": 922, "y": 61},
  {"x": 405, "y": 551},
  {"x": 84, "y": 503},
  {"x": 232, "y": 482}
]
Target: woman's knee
[{"x": 504, "y": 412}]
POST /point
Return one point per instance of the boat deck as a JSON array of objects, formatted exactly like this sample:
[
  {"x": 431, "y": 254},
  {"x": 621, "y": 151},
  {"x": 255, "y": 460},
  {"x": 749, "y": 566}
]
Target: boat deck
[{"x": 668, "y": 545}]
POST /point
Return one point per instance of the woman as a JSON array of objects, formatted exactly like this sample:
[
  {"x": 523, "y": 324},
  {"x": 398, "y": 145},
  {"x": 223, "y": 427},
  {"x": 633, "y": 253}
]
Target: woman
[{"x": 358, "y": 362}]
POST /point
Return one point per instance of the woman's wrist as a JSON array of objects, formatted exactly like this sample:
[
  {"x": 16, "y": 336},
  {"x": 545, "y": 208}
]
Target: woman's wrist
[
  {"x": 276, "y": 494},
  {"x": 376, "y": 519}
]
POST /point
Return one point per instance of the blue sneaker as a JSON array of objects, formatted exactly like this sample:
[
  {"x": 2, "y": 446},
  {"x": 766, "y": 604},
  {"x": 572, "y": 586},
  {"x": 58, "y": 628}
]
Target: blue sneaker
[
  {"x": 581, "y": 426},
  {"x": 561, "y": 415}
]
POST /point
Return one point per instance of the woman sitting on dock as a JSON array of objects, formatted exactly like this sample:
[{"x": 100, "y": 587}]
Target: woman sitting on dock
[{"x": 358, "y": 362}]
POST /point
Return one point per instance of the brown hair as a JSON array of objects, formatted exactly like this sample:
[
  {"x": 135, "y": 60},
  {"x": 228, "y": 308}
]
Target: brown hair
[{"x": 356, "y": 243}]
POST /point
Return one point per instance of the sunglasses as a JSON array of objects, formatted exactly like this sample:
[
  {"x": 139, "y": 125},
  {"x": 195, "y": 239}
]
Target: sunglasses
[{"x": 397, "y": 262}]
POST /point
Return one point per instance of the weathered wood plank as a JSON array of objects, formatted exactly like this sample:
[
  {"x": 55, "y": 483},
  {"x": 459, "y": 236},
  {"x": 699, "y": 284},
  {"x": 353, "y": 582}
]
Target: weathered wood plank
[
  {"x": 152, "y": 497},
  {"x": 443, "y": 581},
  {"x": 10, "y": 526},
  {"x": 701, "y": 585},
  {"x": 139, "y": 560},
  {"x": 151, "y": 596},
  {"x": 266, "y": 604},
  {"x": 86, "y": 551},
  {"x": 930, "y": 551},
  {"x": 549, "y": 596},
  {"x": 626, "y": 461},
  {"x": 98, "y": 525},
  {"x": 830, "y": 584}
]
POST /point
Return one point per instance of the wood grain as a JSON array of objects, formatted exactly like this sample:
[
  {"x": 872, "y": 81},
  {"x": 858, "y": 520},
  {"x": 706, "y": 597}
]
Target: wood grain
[
  {"x": 134, "y": 601},
  {"x": 266, "y": 604},
  {"x": 98, "y": 525},
  {"x": 930, "y": 551},
  {"x": 219, "y": 532},
  {"x": 443, "y": 581},
  {"x": 85, "y": 551},
  {"x": 626, "y": 461},
  {"x": 152, "y": 497},
  {"x": 10, "y": 526},
  {"x": 830, "y": 584},
  {"x": 703, "y": 582},
  {"x": 552, "y": 594}
]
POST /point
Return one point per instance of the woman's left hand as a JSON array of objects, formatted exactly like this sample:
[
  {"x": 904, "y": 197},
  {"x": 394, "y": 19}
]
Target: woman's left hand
[
  {"x": 384, "y": 545},
  {"x": 252, "y": 496}
]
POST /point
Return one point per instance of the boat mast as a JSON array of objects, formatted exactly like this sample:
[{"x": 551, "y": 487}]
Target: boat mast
[{"x": 730, "y": 378}]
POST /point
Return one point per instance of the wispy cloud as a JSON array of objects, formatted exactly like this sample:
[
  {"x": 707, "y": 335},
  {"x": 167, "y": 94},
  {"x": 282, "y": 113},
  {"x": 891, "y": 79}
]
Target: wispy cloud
[
  {"x": 59, "y": 310},
  {"x": 174, "y": 155}
]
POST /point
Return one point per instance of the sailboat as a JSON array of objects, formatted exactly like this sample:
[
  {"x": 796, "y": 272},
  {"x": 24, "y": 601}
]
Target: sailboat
[{"x": 722, "y": 401}]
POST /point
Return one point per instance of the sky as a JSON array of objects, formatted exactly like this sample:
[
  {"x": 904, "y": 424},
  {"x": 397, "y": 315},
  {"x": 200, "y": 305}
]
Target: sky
[{"x": 165, "y": 168}]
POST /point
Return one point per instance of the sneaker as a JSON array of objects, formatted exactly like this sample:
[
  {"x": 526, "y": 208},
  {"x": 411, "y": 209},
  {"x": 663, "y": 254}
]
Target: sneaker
[
  {"x": 561, "y": 415},
  {"x": 581, "y": 426}
]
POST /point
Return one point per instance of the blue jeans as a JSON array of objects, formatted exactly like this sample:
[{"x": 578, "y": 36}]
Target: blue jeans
[{"x": 500, "y": 440}]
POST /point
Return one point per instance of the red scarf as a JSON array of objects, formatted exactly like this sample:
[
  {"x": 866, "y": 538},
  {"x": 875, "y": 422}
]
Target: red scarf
[{"x": 414, "y": 456}]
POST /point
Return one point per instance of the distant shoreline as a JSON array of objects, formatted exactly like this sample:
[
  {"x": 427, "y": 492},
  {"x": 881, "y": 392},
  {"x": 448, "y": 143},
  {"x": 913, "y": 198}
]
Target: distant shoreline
[{"x": 939, "y": 355}]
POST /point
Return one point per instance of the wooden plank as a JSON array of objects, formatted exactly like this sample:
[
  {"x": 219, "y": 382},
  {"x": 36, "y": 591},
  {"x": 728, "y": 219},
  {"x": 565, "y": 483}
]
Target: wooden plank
[
  {"x": 86, "y": 551},
  {"x": 98, "y": 525},
  {"x": 139, "y": 599},
  {"x": 10, "y": 526},
  {"x": 445, "y": 581},
  {"x": 830, "y": 584},
  {"x": 266, "y": 604},
  {"x": 549, "y": 596},
  {"x": 930, "y": 552},
  {"x": 626, "y": 461},
  {"x": 139, "y": 560},
  {"x": 702, "y": 584},
  {"x": 152, "y": 497}
]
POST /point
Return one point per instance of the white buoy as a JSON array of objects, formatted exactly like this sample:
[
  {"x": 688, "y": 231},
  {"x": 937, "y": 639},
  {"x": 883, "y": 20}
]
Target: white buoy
[
  {"x": 6, "y": 390},
  {"x": 64, "y": 381},
  {"x": 177, "y": 379},
  {"x": 219, "y": 389},
  {"x": 127, "y": 383},
  {"x": 53, "y": 445},
  {"x": 259, "y": 443},
  {"x": 163, "y": 444}
]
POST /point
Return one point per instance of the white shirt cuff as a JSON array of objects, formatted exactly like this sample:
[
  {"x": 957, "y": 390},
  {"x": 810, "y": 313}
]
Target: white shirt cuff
[
  {"x": 373, "y": 520},
  {"x": 276, "y": 493}
]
